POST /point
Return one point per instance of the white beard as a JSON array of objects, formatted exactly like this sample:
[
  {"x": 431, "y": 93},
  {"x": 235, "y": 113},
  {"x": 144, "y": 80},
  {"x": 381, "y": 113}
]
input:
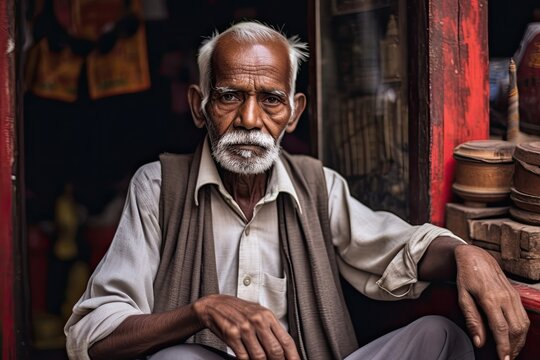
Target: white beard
[{"x": 245, "y": 161}]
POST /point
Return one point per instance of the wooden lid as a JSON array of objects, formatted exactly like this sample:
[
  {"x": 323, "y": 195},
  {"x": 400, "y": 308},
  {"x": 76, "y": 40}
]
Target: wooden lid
[
  {"x": 525, "y": 201},
  {"x": 528, "y": 152},
  {"x": 492, "y": 151},
  {"x": 525, "y": 216}
]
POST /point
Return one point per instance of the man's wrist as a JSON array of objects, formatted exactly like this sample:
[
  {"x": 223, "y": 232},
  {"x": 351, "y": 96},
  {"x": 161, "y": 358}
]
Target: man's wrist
[{"x": 439, "y": 260}]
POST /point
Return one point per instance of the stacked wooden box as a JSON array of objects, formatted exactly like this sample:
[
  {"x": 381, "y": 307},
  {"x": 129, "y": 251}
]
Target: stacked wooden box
[
  {"x": 516, "y": 246},
  {"x": 515, "y": 243}
]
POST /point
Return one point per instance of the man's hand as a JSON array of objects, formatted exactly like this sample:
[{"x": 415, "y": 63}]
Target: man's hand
[
  {"x": 481, "y": 282},
  {"x": 249, "y": 329}
]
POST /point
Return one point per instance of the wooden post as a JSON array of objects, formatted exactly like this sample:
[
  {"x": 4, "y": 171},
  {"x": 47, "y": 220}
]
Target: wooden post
[
  {"x": 13, "y": 279},
  {"x": 449, "y": 101},
  {"x": 7, "y": 136}
]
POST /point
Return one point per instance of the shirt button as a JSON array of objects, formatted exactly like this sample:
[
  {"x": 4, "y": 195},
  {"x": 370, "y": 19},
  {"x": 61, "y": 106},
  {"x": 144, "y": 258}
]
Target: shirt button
[
  {"x": 247, "y": 231},
  {"x": 247, "y": 281}
]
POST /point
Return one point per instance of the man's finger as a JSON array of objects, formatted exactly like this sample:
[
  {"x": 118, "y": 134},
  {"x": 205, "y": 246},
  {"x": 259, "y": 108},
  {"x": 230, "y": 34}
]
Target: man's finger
[
  {"x": 272, "y": 347},
  {"x": 232, "y": 336},
  {"x": 517, "y": 334},
  {"x": 287, "y": 342},
  {"x": 239, "y": 350},
  {"x": 500, "y": 329},
  {"x": 251, "y": 342},
  {"x": 473, "y": 319},
  {"x": 518, "y": 323},
  {"x": 525, "y": 326}
]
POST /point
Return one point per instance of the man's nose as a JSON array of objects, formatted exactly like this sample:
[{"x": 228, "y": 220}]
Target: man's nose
[{"x": 249, "y": 114}]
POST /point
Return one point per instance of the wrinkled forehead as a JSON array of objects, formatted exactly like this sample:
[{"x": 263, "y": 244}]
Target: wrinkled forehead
[{"x": 232, "y": 56}]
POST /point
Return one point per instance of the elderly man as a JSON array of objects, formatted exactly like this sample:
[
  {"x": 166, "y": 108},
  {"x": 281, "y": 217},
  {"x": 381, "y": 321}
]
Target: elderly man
[{"x": 237, "y": 249}]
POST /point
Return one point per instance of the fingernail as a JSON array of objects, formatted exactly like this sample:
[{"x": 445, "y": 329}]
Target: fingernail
[
  {"x": 476, "y": 340},
  {"x": 507, "y": 357}
]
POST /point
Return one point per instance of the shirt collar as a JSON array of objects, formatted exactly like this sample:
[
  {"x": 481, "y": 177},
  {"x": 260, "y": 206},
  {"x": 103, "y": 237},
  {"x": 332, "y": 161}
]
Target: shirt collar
[{"x": 280, "y": 180}]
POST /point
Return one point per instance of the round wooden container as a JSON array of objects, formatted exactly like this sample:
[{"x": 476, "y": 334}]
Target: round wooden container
[
  {"x": 484, "y": 170},
  {"x": 528, "y": 152},
  {"x": 525, "y": 201},
  {"x": 525, "y": 216},
  {"x": 527, "y": 173}
]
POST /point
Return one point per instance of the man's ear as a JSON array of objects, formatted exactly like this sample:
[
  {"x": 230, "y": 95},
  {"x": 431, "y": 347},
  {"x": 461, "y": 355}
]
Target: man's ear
[
  {"x": 195, "y": 100},
  {"x": 298, "y": 106}
]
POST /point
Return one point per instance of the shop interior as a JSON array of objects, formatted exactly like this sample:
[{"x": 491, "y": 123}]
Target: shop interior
[
  {"x": 90, "y": 121},
  {"x": 83, "y": 141}
]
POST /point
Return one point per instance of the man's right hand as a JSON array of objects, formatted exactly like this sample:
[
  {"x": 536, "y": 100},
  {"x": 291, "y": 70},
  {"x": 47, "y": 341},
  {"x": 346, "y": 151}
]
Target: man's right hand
[{"x": 249, "y": 329}]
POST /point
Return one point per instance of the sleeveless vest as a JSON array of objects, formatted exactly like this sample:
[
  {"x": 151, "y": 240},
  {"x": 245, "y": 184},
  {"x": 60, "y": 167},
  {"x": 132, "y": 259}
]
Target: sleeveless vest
[{"x": 319, "y": 321}]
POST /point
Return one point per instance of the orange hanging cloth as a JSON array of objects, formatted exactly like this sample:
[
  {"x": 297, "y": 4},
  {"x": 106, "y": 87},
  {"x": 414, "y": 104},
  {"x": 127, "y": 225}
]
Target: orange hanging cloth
[
  {"x": 113, "y": 39},
  {"x": 124, "y": 69}
]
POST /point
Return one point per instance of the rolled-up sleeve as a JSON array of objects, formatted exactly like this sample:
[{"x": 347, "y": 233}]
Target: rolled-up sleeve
[
  {"x": 122, "y": 284},
  {"x": 378, "y": 253}
]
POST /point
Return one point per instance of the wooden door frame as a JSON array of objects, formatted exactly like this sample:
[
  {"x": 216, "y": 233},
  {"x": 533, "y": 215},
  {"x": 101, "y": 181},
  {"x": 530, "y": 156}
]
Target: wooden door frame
[
  {"x": 14, "y": 282},
  {"x": 7, "y": 159},
  {"x": 449, "y": 96}
]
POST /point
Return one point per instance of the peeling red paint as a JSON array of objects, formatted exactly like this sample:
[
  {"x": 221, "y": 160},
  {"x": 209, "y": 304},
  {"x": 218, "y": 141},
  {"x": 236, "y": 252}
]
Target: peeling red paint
[
  {"x": 6, "y": 202},
  {"x": 459, "y": 78}
]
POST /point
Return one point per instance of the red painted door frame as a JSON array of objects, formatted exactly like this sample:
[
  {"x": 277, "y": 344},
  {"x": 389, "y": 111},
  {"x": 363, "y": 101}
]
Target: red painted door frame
[
  {"x": 459, "y": 69},
  {"x": 13, "y": 280},
  {"x": 449, "y": 96},
  {"x": 7, "y": 161}
]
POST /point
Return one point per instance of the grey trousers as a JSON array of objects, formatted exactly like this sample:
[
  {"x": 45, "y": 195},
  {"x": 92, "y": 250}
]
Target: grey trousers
[{"x": 428, "y": 338}]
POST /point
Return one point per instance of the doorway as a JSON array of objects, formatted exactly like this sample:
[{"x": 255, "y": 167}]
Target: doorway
[{"x": 83, "y": 141}]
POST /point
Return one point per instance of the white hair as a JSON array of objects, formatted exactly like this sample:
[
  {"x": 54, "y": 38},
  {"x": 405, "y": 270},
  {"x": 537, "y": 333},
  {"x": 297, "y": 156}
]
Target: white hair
[{"x": 249, "y": 31}]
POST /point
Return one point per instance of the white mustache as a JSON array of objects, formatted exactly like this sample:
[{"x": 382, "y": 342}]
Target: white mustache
[{"x": 242, "y": 137}]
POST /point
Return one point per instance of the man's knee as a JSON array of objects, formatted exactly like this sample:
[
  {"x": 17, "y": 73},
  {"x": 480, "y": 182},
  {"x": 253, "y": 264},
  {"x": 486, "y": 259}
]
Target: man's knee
[
  {"x": 187, "y": 352},
  {"x": 434, "y": 325},
  {"x": 445, "y": 335}
]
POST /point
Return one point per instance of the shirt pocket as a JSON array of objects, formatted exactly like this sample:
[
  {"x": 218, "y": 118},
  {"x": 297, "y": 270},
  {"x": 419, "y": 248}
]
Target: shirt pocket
[{"x": 274, "y": 296}]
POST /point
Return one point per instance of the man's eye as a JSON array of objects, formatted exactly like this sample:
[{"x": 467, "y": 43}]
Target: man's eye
[
  {"x": 229, "y": 97},
  {"x": 272, "y": 100}
]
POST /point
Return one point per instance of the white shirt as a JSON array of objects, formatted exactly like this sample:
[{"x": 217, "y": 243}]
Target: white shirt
[
  {"x": 248, "y": 260},
  {"x": 377, "y": 251}
]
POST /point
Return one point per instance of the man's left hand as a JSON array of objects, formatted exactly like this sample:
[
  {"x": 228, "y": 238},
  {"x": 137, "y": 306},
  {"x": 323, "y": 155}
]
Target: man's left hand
[{"x": 483, "y": 287}]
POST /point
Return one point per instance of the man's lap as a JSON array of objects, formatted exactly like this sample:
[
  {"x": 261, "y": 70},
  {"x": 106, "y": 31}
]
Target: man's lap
[
  {"x": 189, "y": 352},
  {"x": 430, "y": 338}
]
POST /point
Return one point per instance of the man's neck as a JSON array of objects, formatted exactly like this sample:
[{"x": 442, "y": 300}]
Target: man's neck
[{"x": 246, "y": 190}]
